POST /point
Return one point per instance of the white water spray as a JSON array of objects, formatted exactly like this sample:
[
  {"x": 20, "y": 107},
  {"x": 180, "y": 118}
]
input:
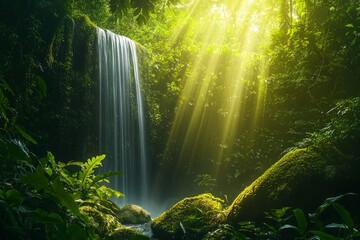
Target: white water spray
[{"x": 121, "y": 120}]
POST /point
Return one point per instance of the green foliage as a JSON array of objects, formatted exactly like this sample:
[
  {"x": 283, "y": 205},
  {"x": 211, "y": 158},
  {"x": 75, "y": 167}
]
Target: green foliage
[
  {"x": 286, "y": 223},
  {"x": 97, "y": 11},
  {"x": 342, "y": 128},
  {"x": 40, "y": 197}
]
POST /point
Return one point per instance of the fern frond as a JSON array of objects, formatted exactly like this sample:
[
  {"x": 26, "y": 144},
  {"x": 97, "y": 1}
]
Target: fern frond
[
  {"x": 79, "y": 164},
  {"x": 88, "y": 168},
  {"x": 101, "y": 177}
]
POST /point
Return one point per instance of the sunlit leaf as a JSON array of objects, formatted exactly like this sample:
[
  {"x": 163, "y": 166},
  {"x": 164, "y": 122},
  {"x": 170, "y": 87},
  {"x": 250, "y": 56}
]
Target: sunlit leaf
[
  {"x": 89, "y": 167},
  {"x": 100, "y": 177}
]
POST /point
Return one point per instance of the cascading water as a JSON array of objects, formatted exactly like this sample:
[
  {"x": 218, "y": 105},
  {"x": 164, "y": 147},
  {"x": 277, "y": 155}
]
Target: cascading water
[{"x": 122, "y": 131}]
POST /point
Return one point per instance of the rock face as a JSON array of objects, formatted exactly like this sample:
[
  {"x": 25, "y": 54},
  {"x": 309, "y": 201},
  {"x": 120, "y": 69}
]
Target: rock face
[
  {"x": 301, "y": 178},
  {"x": 191, "y": 218},
  {"x": 109, "y": 219},
  {"x": 133, "y": 214}
]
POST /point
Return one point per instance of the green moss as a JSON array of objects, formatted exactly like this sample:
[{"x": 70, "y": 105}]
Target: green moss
[
  {"x": 296, "y": 179},
  {"x": 190, "y": 218},
  {"x": 72, "y": 89},
  {"x": 105, "y": 223},
  {"x": 105, "y": 217},
  {"x": 128, "y": 234},
  {"x": 133, "y": 214}
]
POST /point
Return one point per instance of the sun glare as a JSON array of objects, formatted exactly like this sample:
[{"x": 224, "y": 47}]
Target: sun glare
[{"x": 228, "y": 36}]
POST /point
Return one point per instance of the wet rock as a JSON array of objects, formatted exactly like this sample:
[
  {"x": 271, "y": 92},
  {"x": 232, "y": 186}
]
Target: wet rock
[
  {"x": 191, "y": 218},
  {"x": 133, "y": 214}
]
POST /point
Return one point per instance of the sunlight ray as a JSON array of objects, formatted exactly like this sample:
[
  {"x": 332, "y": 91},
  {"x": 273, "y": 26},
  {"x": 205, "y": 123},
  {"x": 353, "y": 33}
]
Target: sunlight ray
[{"x": 238, "y": 28}]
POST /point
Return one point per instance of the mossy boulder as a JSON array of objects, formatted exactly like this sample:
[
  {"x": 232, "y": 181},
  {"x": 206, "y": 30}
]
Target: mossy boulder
[
  {"x": 191, "y": 218},
  {"x": 301, "y": 178},
  {"x": 133, "y": 214},
  {"x": 104, "y": 218},
  {"x": 128, "y": 234}
]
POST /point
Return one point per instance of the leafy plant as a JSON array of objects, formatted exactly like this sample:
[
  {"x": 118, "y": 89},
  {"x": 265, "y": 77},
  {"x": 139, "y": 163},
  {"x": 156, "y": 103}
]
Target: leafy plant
[
  {"x": 277, "y": 217},
  {"x": 287, "y": 223},
  {"x": 313, "y": 225},
  {"x": 42, "y": 198}
]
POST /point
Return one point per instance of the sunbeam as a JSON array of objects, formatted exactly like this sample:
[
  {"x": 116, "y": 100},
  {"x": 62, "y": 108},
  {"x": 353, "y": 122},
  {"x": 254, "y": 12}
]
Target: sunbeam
[{"x": 235, "y": 30}]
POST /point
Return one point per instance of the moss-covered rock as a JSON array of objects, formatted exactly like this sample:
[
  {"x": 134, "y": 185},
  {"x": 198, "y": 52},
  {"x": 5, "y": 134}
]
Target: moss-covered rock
[
  {"x": 128, "y": 234},
  {"x": 107, "y": 218},
  {"x": 133, "y": 214},
  {"x": 300, "y": 178},
  {"x": 105, "y": 222},
  {"x": 191, "y": 218}
]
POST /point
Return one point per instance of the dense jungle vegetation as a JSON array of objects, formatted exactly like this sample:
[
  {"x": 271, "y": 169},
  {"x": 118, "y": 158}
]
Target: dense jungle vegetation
[{"x": 230, "y": 86}]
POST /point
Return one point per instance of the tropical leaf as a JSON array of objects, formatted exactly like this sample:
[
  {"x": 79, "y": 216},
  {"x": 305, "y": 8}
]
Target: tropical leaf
[
  {"x": 289, "y": 226},
  {"x": 105, "y": 193},
  {"x": 79, "y": 164},
  {"x": 344, "y": 214},
  {"x": 37, "y": 179},
  {"x": 300, "y": 220},
  {"x": 325, "y": 236},
  {"x": 58, "y": 190},
  {"x": 330, "y": 201},
  {"x": 25, "y": 134},
  {"x": 101, "y": 177},
  {"x": 88, "y": 168}
]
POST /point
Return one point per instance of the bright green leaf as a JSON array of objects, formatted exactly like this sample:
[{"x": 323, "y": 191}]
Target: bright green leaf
[{"x": 88, "y": 168}]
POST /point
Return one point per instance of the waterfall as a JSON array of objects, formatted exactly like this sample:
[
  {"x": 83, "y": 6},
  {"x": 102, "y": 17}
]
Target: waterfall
[{"x": 121, "y": 119}]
